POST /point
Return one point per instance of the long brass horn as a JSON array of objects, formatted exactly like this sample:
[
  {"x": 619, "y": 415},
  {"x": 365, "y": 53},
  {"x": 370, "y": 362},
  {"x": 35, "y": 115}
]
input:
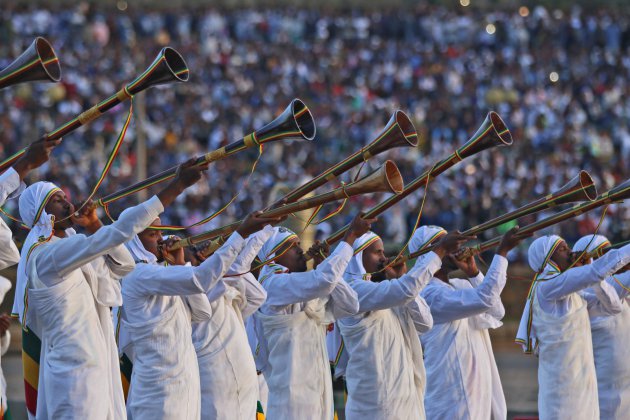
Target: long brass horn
[
  {"x": 387, "y": 178},
  {"x": 37, "y": 62},
  {"x": 398, "y": 132},
  {"x": 492, "y": 132},
  {"x": 168, "y": 66},
  {"x": 295, "y": 123},
  {"x": 619, "y": 193}
]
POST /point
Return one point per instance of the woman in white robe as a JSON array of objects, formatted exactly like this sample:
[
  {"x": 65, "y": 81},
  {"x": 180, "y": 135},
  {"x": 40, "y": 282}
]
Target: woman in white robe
[
  {"x": 462, "y": 377},
  {"x": 291, "y": 325},
  {"x": 556, "y": 325},
  {"x": 70, "y": 290},
  {"x": 385, "y": 332},
  {"x": 229, "y": 382},
  {"x": 611, "y": 335}
]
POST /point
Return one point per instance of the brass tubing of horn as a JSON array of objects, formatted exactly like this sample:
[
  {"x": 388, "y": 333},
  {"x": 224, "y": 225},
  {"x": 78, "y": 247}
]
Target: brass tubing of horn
[
  {"x": 493, "y": 132},
  {"x": 398, "y": 132},
  {"x": 619, "y": 193},
  {"x": 153, "y": 75},
  {"x": 579, "y": 188},
  {"x": 385, "y": 179}
]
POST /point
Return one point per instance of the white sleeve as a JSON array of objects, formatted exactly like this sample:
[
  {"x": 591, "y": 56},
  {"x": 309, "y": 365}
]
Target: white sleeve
[
  {"x": 255, "y": 295},
  {"x": 601, "y": 299},
  {"x": 64, "y": 256},
  {"x": 10, "y": 183},
  {"x": 289, "y": 288},
  {"x": 621, "y": 283},
  {"x": 391, "y": 293},
  {"x": 9, "y": 254},
  {"x": 253, "y": 244},
  {"x": 4, "y": 342},
  {"x": 420, "y": 314},
  {"x": 449, "y": 305},
  {"x": 182, "y": 280},
  {"x": 579, "y": 278},
  {"x": 343, "y": 301}
]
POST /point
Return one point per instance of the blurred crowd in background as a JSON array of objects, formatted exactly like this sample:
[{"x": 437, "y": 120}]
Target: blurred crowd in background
[{"x": 559, "y": 79}]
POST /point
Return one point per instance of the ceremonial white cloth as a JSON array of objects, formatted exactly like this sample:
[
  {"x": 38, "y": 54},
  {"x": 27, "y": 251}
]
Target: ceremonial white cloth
[
  {"x": 385, "y": 334},
  {"x": 462, "y": 377},
  {"x": 561, "y": 327},
  {"x": 5, "y": 340},
  {"x": 229, "y": 383},
  {"x": 610, "y": 335},
  {"x": 9, "y": 254},
  {"x": 291, "y": 328},
  {"x": 156, "y": 333},
  {"x": 70, "y": 292}
]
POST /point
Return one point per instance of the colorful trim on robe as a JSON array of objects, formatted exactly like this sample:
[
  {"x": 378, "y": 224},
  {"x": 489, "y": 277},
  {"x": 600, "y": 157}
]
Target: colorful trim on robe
[{"x": 31, "y": 353}]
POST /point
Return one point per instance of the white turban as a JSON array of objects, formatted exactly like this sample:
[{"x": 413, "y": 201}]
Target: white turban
[
  {"x": 139, "y": 253},
  {"x": 590, "y": 243},
  {"x": 423, "y": 237},
  {"x": 278, "y": 239},
  {"x": 32, "y": 203},
  {"x": 355, "y": 269},
  {"x": 539, "y": 258}
]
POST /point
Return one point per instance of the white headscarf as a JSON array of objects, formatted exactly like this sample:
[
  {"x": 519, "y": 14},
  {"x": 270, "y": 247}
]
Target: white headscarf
[
  {"x": 539, "y": 258},
  {"x": 32, "y": 203},
  {"x": 590, "y": 243},
  {"x": 280, "y": 236},
  {"x": 139, "y": 253},
  {"x": 355, "y": 269},
  {"x": 423, "y": 237}
]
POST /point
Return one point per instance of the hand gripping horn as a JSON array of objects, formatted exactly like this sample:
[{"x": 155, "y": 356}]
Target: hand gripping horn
[{"x": 168, "y": 66}]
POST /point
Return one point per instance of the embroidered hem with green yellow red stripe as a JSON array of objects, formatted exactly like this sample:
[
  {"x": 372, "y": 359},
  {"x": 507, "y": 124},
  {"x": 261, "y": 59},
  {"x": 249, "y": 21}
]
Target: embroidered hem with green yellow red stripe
[
  {"x": 260, "y": 413},
  {"x": 31, "y": 353}
]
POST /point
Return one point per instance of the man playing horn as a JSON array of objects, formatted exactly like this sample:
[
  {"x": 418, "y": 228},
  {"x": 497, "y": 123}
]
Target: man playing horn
[
  {"x": 385, "y": 372},
  {"x": 11, "y": 185},
  {"x": 462, "y": 376},
  {"x": 227, "y": 371},
  {"x": 556, "y": 325},
  {"x": 610, "y": 334},
  {"x": 155, "y": 326},
  {"x": 65, "y": 289},
  {"x": 291, "y": 324}
]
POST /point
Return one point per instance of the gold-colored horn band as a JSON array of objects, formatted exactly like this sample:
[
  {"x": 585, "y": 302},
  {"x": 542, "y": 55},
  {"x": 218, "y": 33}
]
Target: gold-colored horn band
[
  {"x": 89, "y": 115},
  {"x": 215, "y": 155},
  {"x": 250, "y": 140},
  {"x": 331, "y": 177},
  {"x": 123, "y": 94},
  {"x": 367, "y": 155}
]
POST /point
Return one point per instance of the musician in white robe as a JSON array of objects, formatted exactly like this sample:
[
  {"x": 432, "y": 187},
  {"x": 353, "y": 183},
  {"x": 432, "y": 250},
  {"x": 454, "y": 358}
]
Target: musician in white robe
[
  {"x": 64, "y": 295},
  {"x": 385, "y": 373},
  {"x": 462, "y": 377},
  {"x": 556, "y": 325},
  {"x": 11, "y": 185},
  {"x": 291, "y": 324},
  {"x": 155, "y": 328},
  {"x": 229, "y": 382},
  {"x": 610, "y": 335},
  {"x": 5, "y": 340}
]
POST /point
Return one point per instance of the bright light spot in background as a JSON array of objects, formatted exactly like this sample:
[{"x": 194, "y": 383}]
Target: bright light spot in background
[
  {"x": 491, "y": 29},
  {"x": 523, "y": 11},
  {"x": 121, "y": 5},
  {"x": 553, "y": 76},
  {"x": 464, "y": 2}
]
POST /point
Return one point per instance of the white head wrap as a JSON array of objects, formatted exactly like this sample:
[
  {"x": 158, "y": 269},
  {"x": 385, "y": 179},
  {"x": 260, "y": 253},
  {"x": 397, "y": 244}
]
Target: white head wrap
[
  {"x": 280, "y": 236},
  {"x": 590, "y": 243},
  {"x": 539, "y": 258},
  {"x": 423, "y": 237},
  {"x": 139, "y": 252},
  {"x": 32, "y": 203},
  {"x": 355, "y": 269}
]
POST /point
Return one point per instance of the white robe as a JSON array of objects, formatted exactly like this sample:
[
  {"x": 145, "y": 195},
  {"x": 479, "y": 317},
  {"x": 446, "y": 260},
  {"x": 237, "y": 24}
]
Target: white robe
[
  {"x": 5, "y": 340},
  {"x": 156, "y": 334},
  {"x": 291, "y": 331},
  {"x": 72, "y": 285},
  {"x": 384, "y": 335},
  {"x": 229, "y": 382},
  {"x": 9, "y": 254},
  {"x": 611, "y": 335},
  {"x": 462, "y": 377},
  {"x": 566, "y": 368}
]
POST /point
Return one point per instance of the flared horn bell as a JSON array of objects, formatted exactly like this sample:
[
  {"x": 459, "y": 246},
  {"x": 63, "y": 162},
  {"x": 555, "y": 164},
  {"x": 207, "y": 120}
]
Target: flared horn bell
[
  {"x": 580, "y": 188},
  {"x": 386, "y": 178},
  {"x": 37, "y": 62},
  {"x": 295, "y": 123},
  {"x": 169, "y": 66},
  {"x": 398, "y": 132},
  {"x": 492, "y": 132}
]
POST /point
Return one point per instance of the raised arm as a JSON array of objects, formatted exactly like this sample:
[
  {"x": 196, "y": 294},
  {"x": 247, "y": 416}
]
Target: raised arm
[
  {"x": 580, "y": 278},
  {"x": 420, "y": 313},
  {"x": 9, "y": 254},
  {"x": 343, "y": 301}
]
